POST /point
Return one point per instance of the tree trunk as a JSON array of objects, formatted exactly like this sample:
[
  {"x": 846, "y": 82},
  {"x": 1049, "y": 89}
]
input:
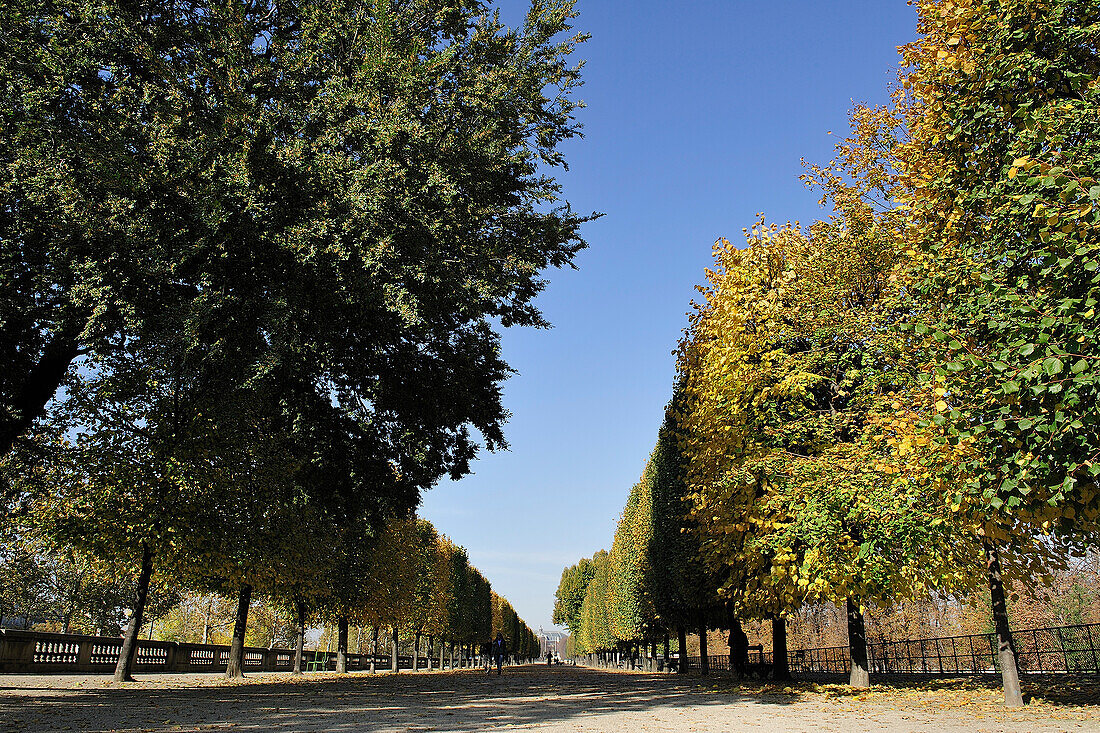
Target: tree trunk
[
  {"x": 373, "y": 648},
  {"x": 704, "y": 660},
  {"x": 442, "y": 651},
  {"x": 33, "y": 391},
  {"x": 70, "y": 604},
  {"x": 235, "y": 666},
  {"x": 781, "y": 668},
  {"x": 358, "y": 639},
  {"x": 682, "y": 640},
  {"x": 857, "y": 646},
  {"x": 739, "y": 647},
  {"x": 668, "y": 649},
  {"x": 428, "y": 651},
  {"x": 1006, "y": 650},
  {"x": 416, "y": 652},
  {"x": 206, "y": 620},
  {"x": 342, "y": 645},
  {"x": 124, "y": 668},
  {"x": 393, "y": 651},
  {"x": 452, "y": 655},
  {"x": 299, "y": 637}
]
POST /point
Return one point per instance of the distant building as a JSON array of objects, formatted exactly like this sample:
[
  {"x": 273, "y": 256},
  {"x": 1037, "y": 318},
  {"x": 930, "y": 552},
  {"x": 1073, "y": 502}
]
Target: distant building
[{"x": 554, "y": 641}]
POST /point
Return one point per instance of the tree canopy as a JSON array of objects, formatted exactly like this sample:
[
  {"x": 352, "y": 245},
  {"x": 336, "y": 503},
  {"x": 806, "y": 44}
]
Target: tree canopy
[
  {"x": 896, "y": 400},
  {"x": 264, "y": 252}
]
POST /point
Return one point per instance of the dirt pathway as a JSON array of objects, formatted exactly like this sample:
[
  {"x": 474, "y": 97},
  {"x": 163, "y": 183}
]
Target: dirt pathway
[{"x": 535, "y": 697}]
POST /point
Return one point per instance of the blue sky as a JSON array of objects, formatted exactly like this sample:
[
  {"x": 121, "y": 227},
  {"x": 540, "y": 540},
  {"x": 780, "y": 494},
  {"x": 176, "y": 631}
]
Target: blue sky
[{"x": 698, "y": 115}]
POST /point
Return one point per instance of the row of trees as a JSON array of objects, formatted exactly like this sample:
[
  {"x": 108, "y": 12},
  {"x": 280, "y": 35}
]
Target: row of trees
[
  {"x": 418, "y": 583},
  {"x": 408, "y": 581},
  {"x": 654, "y": 583},
  {"x": 61, "y": 590},
  {"x": 252, "y": 261},
  {"x": 898, "y": 400}
]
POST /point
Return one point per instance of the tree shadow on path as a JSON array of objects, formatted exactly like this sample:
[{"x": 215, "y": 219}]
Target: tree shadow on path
[{"x": 461, "y": 701}]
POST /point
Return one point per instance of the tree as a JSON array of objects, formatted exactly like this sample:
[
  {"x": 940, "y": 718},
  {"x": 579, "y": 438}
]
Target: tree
[
  {"x": 629, "y": 604},
  {"x": 1000, "y": 180},
  {"x": 793, "y": 374},
  {"x": 62, "y": 589},
  {"x": 682, "y": 587},
  {"x": 351, "y": 255},
  {"x": 570, "y": 594},
  {"x": 137, "y": 484},
  {"x": 594, "y": 634},
  {"x": 389, "y": 581},
  {"x": 340, "y": 493},
  {"x": 732, "y": 417},
  {"x": 341, "y": 594},
  {"x": 24, "y": 580},
  {"x": 363, "y": 238},
  {"x": 429, "y": 610},
  {"x": 88, "y": 228},
  {"x": 654, "y": 576}
]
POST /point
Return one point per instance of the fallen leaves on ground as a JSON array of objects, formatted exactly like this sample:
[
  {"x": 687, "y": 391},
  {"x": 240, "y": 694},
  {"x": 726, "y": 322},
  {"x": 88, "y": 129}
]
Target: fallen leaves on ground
[{"x": 1059, "y": 697}]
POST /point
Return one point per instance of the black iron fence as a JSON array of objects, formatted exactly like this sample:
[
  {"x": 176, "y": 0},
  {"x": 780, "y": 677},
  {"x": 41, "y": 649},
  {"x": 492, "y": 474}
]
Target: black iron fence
[
  {"x": 760, "y": 662},
  {"x": 1064, "y": 649}
]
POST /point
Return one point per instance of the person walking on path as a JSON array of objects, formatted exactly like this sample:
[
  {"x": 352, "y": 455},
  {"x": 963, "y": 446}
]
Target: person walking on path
[{"x": 499, "y": 650}]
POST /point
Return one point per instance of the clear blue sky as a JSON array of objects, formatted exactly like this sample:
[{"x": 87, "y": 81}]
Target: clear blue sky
[{"x": 698, "y": 113}]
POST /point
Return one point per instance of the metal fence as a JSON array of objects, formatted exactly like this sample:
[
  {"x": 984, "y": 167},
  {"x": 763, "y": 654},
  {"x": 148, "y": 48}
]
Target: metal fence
[
  {"x": 760, "y": 661},
  {"x": 1064, "y": 649}
]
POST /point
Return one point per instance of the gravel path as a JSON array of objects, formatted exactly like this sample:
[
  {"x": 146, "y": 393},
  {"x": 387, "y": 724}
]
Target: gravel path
[{"x": 558, "y": 699}]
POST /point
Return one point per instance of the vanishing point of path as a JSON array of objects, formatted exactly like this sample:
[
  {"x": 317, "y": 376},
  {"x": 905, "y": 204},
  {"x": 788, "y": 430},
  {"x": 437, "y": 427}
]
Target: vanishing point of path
[{"x": 532, "y": 697}]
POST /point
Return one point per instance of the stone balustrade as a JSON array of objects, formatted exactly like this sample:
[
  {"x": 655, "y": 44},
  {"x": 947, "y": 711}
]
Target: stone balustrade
[{"x": 42, "y": 652}]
